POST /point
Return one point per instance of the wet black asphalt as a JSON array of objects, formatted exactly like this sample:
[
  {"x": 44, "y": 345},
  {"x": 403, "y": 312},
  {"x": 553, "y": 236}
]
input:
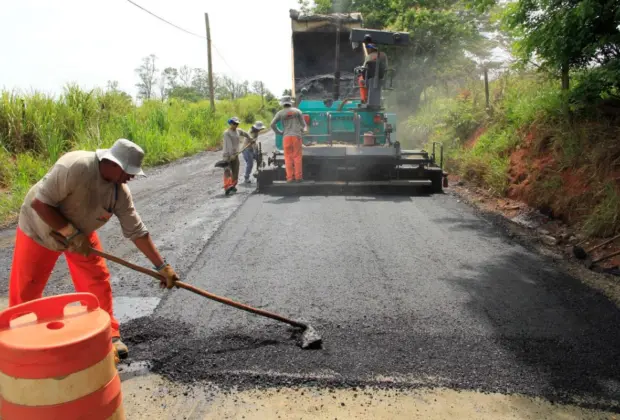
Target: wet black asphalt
[
  {"x": 405, "y": 291},
  {"x": 413, "y": 290}
]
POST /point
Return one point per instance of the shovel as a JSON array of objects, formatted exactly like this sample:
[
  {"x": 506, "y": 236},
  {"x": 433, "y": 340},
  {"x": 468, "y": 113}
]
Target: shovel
[
  {"x": 309, "y": 338},
  {"x": 224, "y": 163}
]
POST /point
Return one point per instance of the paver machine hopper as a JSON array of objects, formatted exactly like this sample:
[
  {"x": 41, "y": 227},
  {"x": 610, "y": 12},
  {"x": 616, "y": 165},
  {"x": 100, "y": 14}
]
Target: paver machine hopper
[{"x": 351, "y": 142}]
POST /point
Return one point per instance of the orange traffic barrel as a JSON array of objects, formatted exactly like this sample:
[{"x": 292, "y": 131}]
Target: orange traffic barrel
[{"x": 57, "y": 361}]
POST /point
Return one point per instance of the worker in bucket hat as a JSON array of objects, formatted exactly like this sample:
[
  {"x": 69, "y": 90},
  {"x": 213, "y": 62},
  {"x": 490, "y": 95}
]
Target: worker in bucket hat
[
  {"x": 230, "y": 150},
  {"x": 294, "y": 126},
  {"x": 61, "y": 214},
  {"x": 250, "y": 149}
]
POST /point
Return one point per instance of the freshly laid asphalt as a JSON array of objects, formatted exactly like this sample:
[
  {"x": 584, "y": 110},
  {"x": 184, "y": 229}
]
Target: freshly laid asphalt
[{"x": 405, "y": 291}]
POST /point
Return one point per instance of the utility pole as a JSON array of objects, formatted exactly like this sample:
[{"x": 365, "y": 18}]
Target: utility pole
[
  {"x": 486, "y": 88},
  {"x": 211, "y": 92}
]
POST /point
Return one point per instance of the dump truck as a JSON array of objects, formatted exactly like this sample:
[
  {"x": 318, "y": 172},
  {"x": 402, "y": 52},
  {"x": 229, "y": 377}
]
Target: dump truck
[{"x": 352, "y": 142}]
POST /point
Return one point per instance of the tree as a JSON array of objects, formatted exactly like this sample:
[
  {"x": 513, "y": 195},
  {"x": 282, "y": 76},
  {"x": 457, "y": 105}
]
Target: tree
[
  {"x": 287, "y": 92},
  {"x": 571, "y": 35},
  {"x": 200, "y": 82},
  {"x": 185, "y": 93},
  {"x": 228, "y": 88},
  {"x": 259, "y": 88},
  {"x": 442, "y": 32},
  {"x": 147, "y": 75},
  {"x": 186, "y": 74},
  {"x": 171, "y": 74},
  {"x": 112, "y": 85}
]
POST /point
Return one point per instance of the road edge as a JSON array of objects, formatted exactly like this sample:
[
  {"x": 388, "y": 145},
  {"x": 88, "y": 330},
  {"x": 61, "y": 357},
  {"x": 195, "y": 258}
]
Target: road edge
[{"x": 530, "y": 239}]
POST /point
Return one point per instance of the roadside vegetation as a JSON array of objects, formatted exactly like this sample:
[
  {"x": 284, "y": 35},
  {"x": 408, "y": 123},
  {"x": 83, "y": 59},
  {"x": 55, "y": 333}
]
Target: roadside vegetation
[
  {"x": 36, "y": 129},
  {"x": 546, "y": 130}
]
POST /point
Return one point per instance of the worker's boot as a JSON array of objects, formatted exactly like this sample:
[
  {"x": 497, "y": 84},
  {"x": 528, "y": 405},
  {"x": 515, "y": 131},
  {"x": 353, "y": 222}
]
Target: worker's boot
[{"x": 121, "y": 348}]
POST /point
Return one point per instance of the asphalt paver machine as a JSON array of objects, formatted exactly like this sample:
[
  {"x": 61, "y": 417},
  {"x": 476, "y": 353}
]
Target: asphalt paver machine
[{"x": 350, "y": 142}]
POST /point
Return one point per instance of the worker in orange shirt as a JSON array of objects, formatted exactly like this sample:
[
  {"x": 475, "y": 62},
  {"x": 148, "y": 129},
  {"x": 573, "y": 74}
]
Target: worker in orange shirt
[{"x": 294, "y": 126}]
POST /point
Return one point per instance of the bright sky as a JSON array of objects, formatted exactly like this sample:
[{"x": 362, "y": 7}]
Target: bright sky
[{"x": 46, "y": 43}]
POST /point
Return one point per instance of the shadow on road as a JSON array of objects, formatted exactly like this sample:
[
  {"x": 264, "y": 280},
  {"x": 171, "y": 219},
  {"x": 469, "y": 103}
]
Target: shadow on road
[
  {"x": 563, "y": 334},
  {"x": 284, "y": 200}
]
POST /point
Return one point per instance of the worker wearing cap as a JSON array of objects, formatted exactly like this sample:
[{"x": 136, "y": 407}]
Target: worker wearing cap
[
  {"x": 230, "y": 149},
  {"x": 294, "y": 126},
  {"x": 61, "y": 214},
  {"x": 372, "y": 56},
  {"x": 250, "y": 148}
]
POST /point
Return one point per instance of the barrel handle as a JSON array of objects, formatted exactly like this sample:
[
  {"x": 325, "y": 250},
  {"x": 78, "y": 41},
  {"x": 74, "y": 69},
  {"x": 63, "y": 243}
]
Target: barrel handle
[{"x": 52, "y": 307}]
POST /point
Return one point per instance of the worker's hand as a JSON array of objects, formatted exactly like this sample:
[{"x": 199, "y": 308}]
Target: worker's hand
[
  {"x": 170, "y": 277},
  {"x": 80, "y": 244},
  {"x": 71, "y": 239}
]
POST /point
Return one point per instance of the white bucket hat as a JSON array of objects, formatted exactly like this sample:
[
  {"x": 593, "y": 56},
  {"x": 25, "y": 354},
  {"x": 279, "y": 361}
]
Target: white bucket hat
[
  {"x": 286, "y": 100},
  {"x": 125, "y": 154},
  {"x": 258, "y": 125}
]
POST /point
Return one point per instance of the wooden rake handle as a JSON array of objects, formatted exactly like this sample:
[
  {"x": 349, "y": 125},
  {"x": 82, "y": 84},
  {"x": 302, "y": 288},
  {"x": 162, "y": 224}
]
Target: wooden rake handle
[{"x": 198, "y": 291}]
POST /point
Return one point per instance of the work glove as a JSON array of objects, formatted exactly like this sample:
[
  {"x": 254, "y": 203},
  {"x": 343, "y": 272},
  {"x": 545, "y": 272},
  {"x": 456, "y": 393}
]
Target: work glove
[
  {"x": 80, "y": 244},
  {"x": 170, "y": 277},
  {"x": 70, "y": 238}
]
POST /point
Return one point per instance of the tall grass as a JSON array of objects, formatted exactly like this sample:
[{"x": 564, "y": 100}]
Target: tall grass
[{"x": 36, "y": 129}]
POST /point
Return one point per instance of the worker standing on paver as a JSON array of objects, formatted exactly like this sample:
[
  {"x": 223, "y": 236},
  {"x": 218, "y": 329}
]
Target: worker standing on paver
[
  {"x": 381, "y": 66},
  {"x": 230, "y": 149},
  {"x": 250, "y": 149},
  {"x": 61, "y": 214},
  {"x": 294, "y": 126}
]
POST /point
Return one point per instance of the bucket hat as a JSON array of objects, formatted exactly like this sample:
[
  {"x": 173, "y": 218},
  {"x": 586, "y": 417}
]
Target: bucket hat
[
  {"x": 234, "y": 120},
  {"x": 286, "y": 100},
  {"x": 258, "y": 125},
  {"x": 125, "y": 154}
]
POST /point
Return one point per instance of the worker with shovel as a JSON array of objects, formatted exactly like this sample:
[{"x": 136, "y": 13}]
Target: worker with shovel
[
  {"x": 294, "y": 126},
  {"x": 230, "y": 151},
  {"x": 61, "y": 214},
  {"x": 250, "y": 149}
]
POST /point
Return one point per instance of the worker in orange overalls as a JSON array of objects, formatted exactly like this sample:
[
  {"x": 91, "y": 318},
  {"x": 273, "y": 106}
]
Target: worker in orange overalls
[
  {"x": 61, "y": 214},
  {"x": 294, "y": 126}
]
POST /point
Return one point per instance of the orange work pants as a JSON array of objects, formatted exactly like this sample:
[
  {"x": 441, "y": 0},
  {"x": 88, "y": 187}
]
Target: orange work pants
[
  {"x": 363, "y": 89},
  {"x": 33, "y": 265},
  {"x": 292, "y": 157},
  {"x": 229, "y": 182}
]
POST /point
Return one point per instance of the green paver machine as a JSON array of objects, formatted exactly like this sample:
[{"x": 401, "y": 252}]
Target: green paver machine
[{"x": 350, "y": 142}]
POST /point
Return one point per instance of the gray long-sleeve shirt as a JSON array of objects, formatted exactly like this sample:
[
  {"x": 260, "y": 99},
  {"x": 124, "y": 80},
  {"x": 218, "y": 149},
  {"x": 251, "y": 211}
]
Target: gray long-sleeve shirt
[
  {"x": 292, "y": 122},
  {"x": 231, "y": 141}
]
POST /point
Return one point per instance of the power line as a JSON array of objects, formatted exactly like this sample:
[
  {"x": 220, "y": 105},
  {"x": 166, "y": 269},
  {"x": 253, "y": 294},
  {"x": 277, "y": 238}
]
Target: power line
[
  {"x": 190, "y": 33},
  {"x": 164, "y": 20}
]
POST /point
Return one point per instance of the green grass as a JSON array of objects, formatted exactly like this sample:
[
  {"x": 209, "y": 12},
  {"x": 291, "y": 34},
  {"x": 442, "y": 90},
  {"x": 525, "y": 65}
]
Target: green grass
[
  {"x": 36, "y": 129},
  {"x": 605, "y": 218}
]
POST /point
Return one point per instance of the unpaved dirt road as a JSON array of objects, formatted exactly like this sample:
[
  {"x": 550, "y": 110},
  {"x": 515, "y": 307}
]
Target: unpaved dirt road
[{"x": 415, "y": 297}]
